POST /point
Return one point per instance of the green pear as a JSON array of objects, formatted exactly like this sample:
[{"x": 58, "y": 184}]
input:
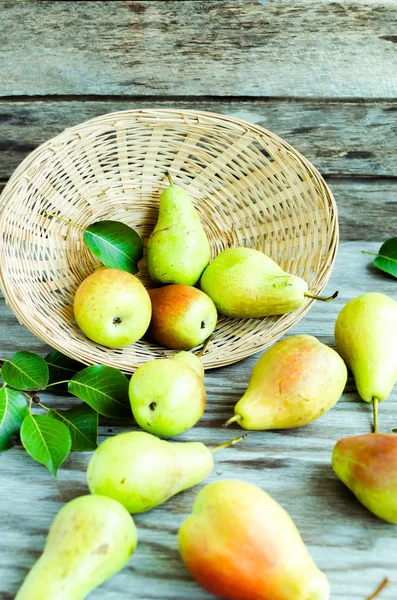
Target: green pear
[
  {"x": 91, "y": 539},
  {"x": 112, "y": 308},
  {"x": 182, "y": 316},
  {"x": 178, "y": 249},
  {"x": 167, "y": 395},
  {"x": 243, "y": 282},
  {"x": 141, "y": 471},
  {"x": 365, "y": 335},
  {"x": 239, "y": 543},
  {"x": 367, "y": 465},
  {"x": 294, "y": 383}
]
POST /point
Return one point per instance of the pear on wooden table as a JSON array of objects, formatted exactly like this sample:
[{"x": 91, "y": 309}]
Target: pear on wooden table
[
  {"x": 367, "y": 465},
  {"x": 365, "y": 335},
  {"x": 293, "y": 383},
  {"x": 141, "y": 471},
  {"x": 91, "y": 539},
  {"x": 167, "y": 395},
  {"x": 240, "y": 544}
]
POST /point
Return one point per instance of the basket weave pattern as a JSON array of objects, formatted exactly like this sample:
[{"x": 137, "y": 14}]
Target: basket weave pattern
[{"x": 250, "y": 188}]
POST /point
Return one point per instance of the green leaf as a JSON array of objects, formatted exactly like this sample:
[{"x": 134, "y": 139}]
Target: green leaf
[
  {"x": 46, "y": 440},
  {"x": 117, "y": 245},
  {"x": 25, "y": 371},
  {"x": 386, "y": 260},
  {"x": 82, "y": 422},
  {"x": 13, "y": 410},
  {"x": 104, "y": 388},
  {"x": 61, "y": 367}
]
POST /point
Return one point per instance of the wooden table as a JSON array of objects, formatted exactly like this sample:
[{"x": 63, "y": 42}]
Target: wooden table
[{"x": 323, "y": 75}]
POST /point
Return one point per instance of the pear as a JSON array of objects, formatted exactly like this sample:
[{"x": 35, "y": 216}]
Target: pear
[
  {"x": 365, "y": 335},
  {"x": 293, "y": 383},
  {"x": 91, "y": 539},
  {"x": 367, "y": 465},
  {"x": 112, "y": 308},
  {"x": 238, "y": 543},
  {"x": 182, "y": 316},
  {"x": 167, "y": 395},
  {"x": 141, "y": 471},
  {"x": 243, "y": 282},
  {"x": 178, "y": 249}
]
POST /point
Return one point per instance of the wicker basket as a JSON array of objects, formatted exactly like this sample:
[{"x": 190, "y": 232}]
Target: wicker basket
[{"x": 250, "y": 187}]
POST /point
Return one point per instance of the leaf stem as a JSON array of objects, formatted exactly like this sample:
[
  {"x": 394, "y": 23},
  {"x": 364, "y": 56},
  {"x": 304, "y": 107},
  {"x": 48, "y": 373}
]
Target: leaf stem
[
  {"x": 234, "y": 419},
  {"x": 58, "y": 383},
  {"x": 375, "y": 403},
  {"x": 322, "y": 298},
  {"x": 32, "y": 397},
  {"x": 371, "y": 253},
  {"x": 48, "y": 214},
  {"x": 204, "y": 348},
  {"x": 169, "y": 178},
  {"x": 229, "y": 443},
  {"x": 378, "y": 590}
]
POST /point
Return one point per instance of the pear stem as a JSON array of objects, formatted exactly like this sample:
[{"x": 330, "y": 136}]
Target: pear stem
[
  {"x": 204, "y": 348},
  {"x": 57, "y": 383},
  {"x": 378, "y": 590},
  {"x": 169, "y": 178},
  {"x": 234, "y": 419},
  {"x": 48, "y": 214},
  {"x": 322, "y": 298},
  {"x": 229, "y": 443},
  {"x": 375, "y": 403}
]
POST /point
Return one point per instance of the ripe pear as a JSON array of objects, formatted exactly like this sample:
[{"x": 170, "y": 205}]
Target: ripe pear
[
  {"x": 243, "y": 282},
  {"x": 178, "y": 249},
  {"x": 182, "y": 316},
  {"x": 141, "y": 471},
  {"x": 90, "y": 540},
  {"x": 293, "y": 383},
  {"x": 365, "y": 335},
  {"x": 367, "y": 465},
  {"x": 167, "y": 395},
  {"x": 112, "y": 308},
  {"x": 240, "y": 544}
]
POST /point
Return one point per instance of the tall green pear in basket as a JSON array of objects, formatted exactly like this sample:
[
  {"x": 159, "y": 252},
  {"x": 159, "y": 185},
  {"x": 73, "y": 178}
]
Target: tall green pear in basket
[
  {"x": 243, "y": 282},
  {"x": 178, "y": 249}
]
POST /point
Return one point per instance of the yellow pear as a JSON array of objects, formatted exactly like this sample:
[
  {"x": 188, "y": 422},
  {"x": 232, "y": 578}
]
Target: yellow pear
[
  {"x": 293, "y": 383},
  {"x": 91, "y": 539}
]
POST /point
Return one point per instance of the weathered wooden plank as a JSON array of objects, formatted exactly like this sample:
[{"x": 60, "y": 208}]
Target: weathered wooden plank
[
  {"x": 350, "y": 138},
  {"x": 354, "y": 548},
  {"x": 367, "y": 209},
  {"x": 316, "y": 48}
]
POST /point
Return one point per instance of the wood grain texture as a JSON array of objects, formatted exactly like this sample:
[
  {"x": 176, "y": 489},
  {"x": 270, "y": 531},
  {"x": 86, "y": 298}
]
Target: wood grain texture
[
  {"x": 355, "y": 549},
  {"x": 349, "y": 138},
  {"x": 318, "y": 48}
]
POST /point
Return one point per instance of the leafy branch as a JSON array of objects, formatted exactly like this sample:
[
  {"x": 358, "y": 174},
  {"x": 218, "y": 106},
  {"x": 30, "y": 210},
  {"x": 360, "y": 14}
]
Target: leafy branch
[{"x": 49, "y": 438}]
